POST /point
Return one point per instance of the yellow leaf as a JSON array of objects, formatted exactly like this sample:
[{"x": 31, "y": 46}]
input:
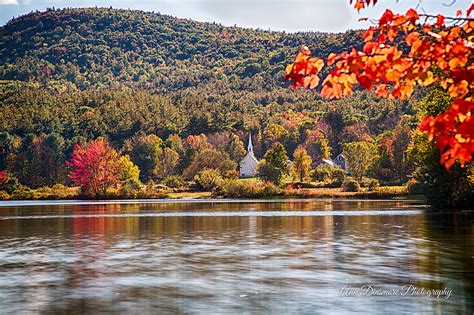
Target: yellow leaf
[{"x": 379, "y": 58}]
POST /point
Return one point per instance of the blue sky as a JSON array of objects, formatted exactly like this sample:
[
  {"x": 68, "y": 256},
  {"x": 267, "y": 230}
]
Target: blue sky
[{"x": 288, "y": 15}]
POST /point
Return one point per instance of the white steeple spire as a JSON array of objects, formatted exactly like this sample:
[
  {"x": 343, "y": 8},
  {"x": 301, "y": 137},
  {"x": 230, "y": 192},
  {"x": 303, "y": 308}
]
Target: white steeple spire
[
  {"x": 248, "y": 165},
  {"x": 250, "y": 146}
]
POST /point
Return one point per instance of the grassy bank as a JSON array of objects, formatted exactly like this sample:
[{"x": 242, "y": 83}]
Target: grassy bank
[
  {"x": 231, "y": 189},
  {"x": 384, "y": 192}
]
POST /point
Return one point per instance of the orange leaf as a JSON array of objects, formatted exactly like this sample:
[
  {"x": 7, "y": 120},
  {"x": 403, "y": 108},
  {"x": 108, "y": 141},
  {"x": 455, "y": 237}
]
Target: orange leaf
[
  {"x": 439, "y": 20},
  {"x": 454, "y": 63},
  {"x": 331, "y": 58},
  {"x": 386, "y": 18},
  {"x": 311, "y": 81}
]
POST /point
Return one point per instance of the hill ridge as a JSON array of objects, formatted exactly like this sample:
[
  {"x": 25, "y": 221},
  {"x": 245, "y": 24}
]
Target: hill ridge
[{"x": 102, "y": 47}]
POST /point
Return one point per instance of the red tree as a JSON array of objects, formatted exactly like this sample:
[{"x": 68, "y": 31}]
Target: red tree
[
  {"x": 440, "y": 53},
  {"x": 94, "y": 167},
  {"x": 3, "y": 177}
]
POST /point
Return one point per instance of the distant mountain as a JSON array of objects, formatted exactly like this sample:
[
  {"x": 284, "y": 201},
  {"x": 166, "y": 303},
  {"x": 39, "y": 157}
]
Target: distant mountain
[{"x": 95, "y": 47}]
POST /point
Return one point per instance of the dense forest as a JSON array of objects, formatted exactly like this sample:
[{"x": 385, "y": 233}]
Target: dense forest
[
  {"x": 172, "y": 93},
  {"x": 93, "y": 48}
]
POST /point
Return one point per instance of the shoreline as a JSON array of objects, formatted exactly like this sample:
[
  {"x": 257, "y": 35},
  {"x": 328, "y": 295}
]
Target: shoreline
[
  {"x": 66, "y": 202},
  {"x": 72, "y": 194}
]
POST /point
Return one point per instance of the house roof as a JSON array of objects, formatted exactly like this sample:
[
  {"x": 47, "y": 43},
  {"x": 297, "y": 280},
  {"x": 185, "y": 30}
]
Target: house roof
[{"x": 329, "y": 161}]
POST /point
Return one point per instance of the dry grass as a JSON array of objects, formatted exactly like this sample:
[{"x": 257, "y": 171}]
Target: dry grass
[
  {"x": 380, "y": 193},
  {"x": 189, "y": 194}
]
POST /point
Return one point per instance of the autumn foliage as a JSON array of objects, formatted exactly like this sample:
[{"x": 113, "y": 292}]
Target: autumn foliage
[
  {"x": 3, "y": 177},
  {"x": 94, "y": 167},
  {"x": 439, "y": 52}
]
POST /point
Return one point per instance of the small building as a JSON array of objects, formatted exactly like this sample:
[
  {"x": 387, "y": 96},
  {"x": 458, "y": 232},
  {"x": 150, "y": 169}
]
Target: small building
[
  {"x": 248, "y": 165},
  {"x": 328, "y": 162},
  {"x": 341, "y": 161}
]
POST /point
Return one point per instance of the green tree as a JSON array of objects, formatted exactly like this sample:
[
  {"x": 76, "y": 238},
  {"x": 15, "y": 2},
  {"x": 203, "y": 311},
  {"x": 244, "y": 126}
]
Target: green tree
[
  {"x": 175, "y": 143},
  {"x": 235, "y": 148},
  {"x": 145, "y": 152},
  {"x": 360, "y": 157},
  {"x": 208, "y": 179},
  {"x": 443, "y": 188},
  {"x": 167, "y": 163},
  {"x": 301, "y": 167},
  {"x": 275, "y": 133},
  {"x": 274, "y": 164},
  {"x": 401, "y": 140},
  {"x": 40, "y": 161}
]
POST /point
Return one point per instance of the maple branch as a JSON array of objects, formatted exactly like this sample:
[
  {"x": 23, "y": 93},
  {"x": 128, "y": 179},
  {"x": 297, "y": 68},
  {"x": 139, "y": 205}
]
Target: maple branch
[{"x": 447, "y": 17}]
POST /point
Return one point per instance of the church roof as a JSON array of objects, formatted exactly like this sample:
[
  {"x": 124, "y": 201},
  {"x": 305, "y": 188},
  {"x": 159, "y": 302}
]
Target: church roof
[{"x": 249, "y": 156}]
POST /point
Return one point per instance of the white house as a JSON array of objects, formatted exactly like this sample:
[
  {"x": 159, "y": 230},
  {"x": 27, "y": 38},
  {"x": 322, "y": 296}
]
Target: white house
[
  {"x": 248, "y": 165},
  {"x": 341, "y": 161}
]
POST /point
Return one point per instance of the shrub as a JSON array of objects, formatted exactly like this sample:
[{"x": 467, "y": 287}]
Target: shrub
[
  {"x": 350, "y": 185},
  {"x": 60, "y": 191},
  {"x": 246, "y": 189},
  {"x": 208, "y": 179},
  {"x": 59, "y": 187},
  {"x": 173, "y": 181},
  {"x": 322, "y": 173},
  {"x": 338, "y": 176},
  {"x": 23, "y": 192},
  {"x": 44, "y": 190},
  {"x": 129, "y": 190},
  {"x": 372, "y": 184},
  {"x": 232, "y": 174},
  {"x": 332, "y": 175},
  {"x": 269, "y": 189},
  {"x": 4, "y": 195},
  {"x": 304, "y": 185},
  {"x": 151, "y": 191},
  {"x": 414, "y": 187},
  {"x": 9, "y": 183}
]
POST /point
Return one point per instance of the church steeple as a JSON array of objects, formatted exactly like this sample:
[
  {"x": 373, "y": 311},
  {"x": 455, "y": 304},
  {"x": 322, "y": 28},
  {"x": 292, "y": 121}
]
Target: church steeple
[
  {"x": 248, "y": 165},
  {"x": 250, "y": 146}
]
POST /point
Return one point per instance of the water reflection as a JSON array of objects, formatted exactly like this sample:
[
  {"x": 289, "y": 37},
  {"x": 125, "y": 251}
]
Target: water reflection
[{"x": 202, "y": 264}]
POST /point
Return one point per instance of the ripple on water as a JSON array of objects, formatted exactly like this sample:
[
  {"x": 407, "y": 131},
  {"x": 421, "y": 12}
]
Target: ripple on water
[{"x": 239, "y": 261}]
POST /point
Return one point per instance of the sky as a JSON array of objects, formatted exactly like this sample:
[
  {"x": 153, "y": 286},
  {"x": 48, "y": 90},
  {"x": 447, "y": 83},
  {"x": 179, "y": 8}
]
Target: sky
[{"x": 278, "y": 15}]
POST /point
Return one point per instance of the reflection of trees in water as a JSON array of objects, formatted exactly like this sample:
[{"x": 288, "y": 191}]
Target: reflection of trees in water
[
  {"x": 452, "y": 252},
  {"x": 429, "y": 250}
]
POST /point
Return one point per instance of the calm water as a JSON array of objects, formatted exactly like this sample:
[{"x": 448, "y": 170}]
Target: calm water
[{"x": 234, "y": 257}]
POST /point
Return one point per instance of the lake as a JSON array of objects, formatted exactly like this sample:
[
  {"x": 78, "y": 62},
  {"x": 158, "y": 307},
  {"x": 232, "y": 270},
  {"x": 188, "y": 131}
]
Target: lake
[{"x": 253, "y": 256}]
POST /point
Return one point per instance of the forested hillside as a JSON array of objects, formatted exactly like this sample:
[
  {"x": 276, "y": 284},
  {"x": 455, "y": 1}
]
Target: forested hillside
[
  {"x": 72, "y": 76},
  {"x": 103, "y": 47}
]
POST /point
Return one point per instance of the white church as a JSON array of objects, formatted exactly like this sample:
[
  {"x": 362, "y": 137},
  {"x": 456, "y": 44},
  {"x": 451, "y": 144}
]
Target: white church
[{"x": 248, "y": 165}]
